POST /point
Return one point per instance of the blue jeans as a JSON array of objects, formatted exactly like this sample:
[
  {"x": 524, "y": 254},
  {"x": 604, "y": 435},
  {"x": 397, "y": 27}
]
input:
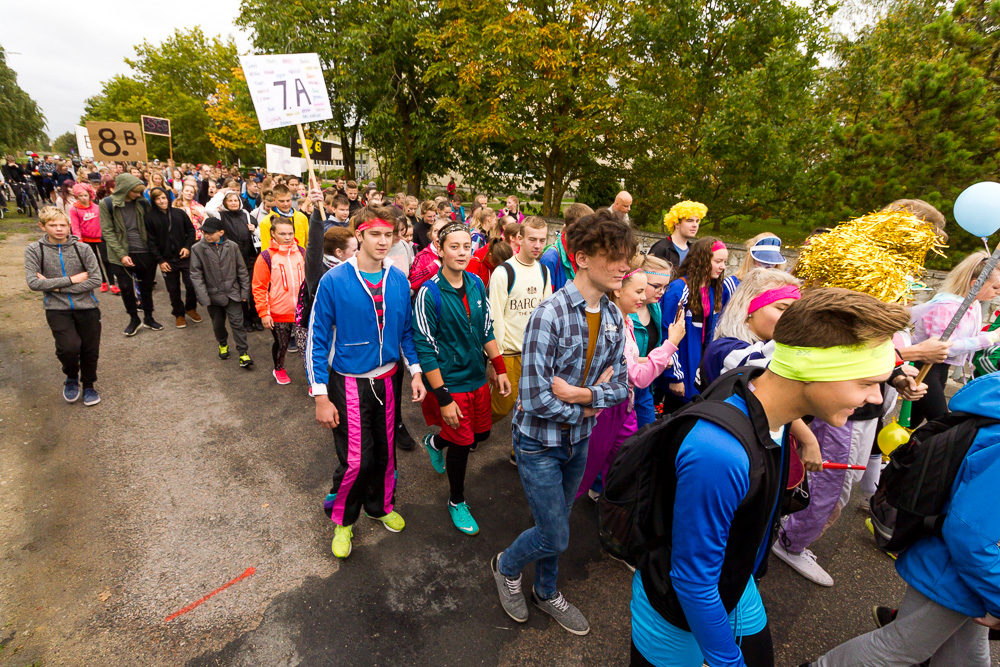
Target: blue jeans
[
  {"x": 550, "y": 477},
  {"x": 645, "y": 411}
]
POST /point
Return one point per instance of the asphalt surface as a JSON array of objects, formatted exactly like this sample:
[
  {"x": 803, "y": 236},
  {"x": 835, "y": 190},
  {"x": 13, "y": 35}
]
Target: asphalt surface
[{"x": 192, "y": 470}]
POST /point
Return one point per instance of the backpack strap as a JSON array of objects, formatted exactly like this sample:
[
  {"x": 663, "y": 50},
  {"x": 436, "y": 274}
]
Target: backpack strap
[
  {"x": 266, "y": 254},
  {"x": 545, "y": 276},
  {"x": 509, "y": 270},
  {"x": 435, "y": 292}
]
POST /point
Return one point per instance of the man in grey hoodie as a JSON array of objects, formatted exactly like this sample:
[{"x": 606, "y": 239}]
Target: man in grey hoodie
[
  {"x": 123, "y": 228},
  {"x": 67, "y": 273}
]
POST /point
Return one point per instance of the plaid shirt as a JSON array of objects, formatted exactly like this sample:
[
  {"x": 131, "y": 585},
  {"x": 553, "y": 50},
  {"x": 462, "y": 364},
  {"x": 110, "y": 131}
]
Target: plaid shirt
[{"x": 555, "y": 344}]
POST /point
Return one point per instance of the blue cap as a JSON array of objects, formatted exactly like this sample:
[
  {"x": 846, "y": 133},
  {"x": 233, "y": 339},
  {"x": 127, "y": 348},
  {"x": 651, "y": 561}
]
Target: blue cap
[{"x": 768, "y": 251}]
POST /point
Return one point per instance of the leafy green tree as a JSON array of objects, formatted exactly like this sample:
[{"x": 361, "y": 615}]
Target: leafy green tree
[
  {"x": 533, "y": 80},
  {"x": 916, "y": 98},
  {"x": 22, "y": 124},
  {"x": 64, "y": 143},
  {"x": 719, "y": 106},
  {"x": 172, "y": 80}
]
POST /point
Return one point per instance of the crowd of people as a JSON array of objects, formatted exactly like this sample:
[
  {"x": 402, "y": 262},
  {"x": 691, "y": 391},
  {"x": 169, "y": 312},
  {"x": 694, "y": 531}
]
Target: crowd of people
[{"x": 580, "y": 343}]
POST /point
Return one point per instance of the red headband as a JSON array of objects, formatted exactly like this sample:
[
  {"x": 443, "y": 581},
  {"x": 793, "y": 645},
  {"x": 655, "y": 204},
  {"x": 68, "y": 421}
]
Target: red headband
[
  {"x": 772, "y": 295},
  {"x": 375, "y": 222},
  {"x": 718, "y": 245},
  {"x": 631, "y": 273}
]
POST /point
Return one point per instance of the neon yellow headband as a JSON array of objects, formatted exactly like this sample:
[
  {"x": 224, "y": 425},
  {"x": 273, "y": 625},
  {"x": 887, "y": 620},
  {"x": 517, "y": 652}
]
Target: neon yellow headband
[{"x": 832, "y": 364}]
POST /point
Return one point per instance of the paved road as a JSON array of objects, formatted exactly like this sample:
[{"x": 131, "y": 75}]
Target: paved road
[{"x": 192, "y": 470}]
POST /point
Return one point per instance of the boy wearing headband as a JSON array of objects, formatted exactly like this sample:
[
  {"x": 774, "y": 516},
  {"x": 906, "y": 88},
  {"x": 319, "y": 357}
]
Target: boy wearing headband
[
  {"x": 695, "y": 600},
  {"x": 573, "y": 362},
  {"x": 360, "y": 321}
]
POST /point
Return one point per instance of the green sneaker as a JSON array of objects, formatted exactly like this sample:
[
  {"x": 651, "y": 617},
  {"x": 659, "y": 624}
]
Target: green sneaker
[
  {"x": 437, "y": 456},
  {"x": 223, "y": 352},
  {"x": 245, "y": 361},
  {"x": 342, "y": 541},
  {"x": 462, "y": 518},
  {"x": 392, "y": 521}
]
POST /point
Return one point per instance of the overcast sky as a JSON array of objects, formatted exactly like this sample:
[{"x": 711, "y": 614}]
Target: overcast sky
[{"x": 64, "y": 64}]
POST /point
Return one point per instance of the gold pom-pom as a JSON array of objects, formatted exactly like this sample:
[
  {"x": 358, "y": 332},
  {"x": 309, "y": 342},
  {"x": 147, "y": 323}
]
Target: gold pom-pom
[
  {"x": 682, "y": 210},
  {"x": 879, "y": 254}
]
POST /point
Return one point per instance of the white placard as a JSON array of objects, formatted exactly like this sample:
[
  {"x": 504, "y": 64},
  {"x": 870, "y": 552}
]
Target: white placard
[
  {"x": 280, "y": 161},
  {"x": 83, "y": 142},
  {"x": 287, "y": 89}
]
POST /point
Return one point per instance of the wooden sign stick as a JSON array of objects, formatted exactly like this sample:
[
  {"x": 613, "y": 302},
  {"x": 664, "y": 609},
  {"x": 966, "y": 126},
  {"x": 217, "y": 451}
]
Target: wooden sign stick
[{"x": 305, "y": 151}]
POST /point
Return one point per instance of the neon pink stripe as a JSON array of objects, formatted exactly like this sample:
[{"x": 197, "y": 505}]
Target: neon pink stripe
[
  {"x": 770, "y": 296},
  {"x": 390, "y": 431},
  {"x": 353, "y": 449}
]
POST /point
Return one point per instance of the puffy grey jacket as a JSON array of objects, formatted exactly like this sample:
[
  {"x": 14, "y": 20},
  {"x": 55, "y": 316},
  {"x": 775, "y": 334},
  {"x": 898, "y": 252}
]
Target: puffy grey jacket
[
  {"x": 57, "y": 262},
  {"x": 219, "y": 273}
]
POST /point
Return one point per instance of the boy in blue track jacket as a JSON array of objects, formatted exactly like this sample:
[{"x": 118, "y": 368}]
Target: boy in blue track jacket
[{"x": 360, "y": 320}]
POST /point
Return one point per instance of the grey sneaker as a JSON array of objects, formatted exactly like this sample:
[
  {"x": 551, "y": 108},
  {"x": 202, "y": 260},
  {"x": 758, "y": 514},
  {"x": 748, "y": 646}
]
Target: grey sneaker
[
  {"x": 511, "y": 598},
  {"x": 563, "y": 612}
]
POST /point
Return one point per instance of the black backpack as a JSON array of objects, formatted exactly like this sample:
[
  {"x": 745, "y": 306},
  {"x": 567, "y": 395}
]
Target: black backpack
[
  {"x": 909, "y": 502},
  {"x": 625, "y": 506}
]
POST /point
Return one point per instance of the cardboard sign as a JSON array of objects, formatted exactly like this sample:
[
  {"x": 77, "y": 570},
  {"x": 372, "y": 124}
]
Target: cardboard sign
[
  {"x": 116, "y": 141},
  {"x": 318, "y": 150},
  {"x": 287, "y": 89},
  {"x": 154, "y": 125},
  {"x": 83, "y": 142},
  {"x": 280, "y": 161}
]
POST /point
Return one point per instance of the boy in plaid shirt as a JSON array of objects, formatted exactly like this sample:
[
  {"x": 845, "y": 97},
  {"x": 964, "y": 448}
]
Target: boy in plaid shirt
[{"x": 573, "y": 365}]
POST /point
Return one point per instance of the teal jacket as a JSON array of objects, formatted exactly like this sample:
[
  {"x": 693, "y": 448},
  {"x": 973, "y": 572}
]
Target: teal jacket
[
  {"x": 641, "y": 333},
  {"x": 449, "y": 338}
]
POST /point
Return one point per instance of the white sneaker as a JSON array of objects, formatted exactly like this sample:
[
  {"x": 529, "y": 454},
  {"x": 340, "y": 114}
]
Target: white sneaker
[
  {"x": 593, "y": 495},
  {"x": 866, "y": 499},
  {"x": 803, "y": 563}
]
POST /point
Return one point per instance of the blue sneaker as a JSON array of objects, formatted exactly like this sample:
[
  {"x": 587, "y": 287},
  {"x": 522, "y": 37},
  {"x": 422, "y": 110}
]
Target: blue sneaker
[
  {"x": 91, "y": 397},
  {"x": 71, "y": 391},
  {"x": 437, "y": 456},
  {"x": 462, "y": 518}
]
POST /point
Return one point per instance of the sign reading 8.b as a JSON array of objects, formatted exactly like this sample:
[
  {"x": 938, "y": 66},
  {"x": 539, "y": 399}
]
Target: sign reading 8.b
[{"x": 116, "y": 141}]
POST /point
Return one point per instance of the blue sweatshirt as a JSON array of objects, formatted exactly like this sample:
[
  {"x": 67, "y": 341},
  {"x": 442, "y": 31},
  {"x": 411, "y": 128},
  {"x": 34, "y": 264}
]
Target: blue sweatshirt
[{"x": 343, "y": 330}]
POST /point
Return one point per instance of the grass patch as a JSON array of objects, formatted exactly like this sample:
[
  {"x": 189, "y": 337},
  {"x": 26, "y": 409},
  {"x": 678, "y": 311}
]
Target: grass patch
[{"x": 16, "y": 223}]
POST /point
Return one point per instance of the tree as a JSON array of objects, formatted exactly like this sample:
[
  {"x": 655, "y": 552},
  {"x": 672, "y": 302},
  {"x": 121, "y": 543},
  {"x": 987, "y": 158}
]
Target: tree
[
  {"x": 174, "y": 80},
  {"x": 534, "y": 80},
  {"x": 65, "y": 143},
  {"x": 235, "y": 129},
  {"x": 916, "y": 98},
  {"x": 22, "y": 124},
  {"x": 719, "y": 106}
]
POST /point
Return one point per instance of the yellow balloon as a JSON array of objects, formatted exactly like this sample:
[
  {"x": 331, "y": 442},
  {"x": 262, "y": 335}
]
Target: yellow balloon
[{"x": 892, "y": 436}]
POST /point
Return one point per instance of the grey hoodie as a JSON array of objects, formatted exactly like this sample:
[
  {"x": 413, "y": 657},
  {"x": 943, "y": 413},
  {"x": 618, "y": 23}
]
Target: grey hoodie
[{"x": 57, "y": 262}]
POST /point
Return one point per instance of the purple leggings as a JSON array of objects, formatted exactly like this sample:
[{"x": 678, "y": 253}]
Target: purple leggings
[{"x": 614, "y": 426}]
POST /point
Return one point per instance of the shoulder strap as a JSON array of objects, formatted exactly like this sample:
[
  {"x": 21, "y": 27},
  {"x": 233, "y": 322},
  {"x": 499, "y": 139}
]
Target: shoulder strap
[
  {"x": 76, "y": 247},
  {"x": 545, "y": 276},
  {"x": 266, "y": 254},
  {"x": 509, "y": 270},
  {"x": 435, "y": 292}
]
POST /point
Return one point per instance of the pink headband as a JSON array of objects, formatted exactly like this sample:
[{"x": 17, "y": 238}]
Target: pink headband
[
  {"x": 718, "y": 245},
  {"x": 630, "y": 274},
  {"x": 375, "y": 222},
  {"x": 772, "y": 295}
]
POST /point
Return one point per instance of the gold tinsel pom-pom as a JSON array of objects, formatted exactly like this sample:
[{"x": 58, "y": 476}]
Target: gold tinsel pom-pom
[
  {"x": 681, "y": 210},
  {"x": 878, "y": 254}
]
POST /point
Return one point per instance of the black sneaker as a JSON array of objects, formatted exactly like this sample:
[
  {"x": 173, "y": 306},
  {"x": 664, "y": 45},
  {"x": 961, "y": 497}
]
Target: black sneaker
[
  {"x": 883, "y": 616},
  {"x": 133, "y": 327},
  {"x": 403, "y": 438},
  {"x": 152, "y": 324},
  {"x": 513, "y": 459}
]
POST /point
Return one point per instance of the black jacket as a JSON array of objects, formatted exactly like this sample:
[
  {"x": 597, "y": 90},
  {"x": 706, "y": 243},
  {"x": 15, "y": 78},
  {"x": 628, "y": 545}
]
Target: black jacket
[
  {"x": 667, "y": 251},
  {"x": 235, "y": 224},
  {"x": 12, "y": 173},
  {"x": 169, "y": 231}
]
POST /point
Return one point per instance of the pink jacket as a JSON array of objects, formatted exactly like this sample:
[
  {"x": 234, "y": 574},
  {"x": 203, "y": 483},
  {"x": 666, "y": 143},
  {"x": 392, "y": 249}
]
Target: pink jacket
[
  {"x": 641, "y": 375},
  {"x": 425, "y": 266},
  {"x": 85, "y": 222},
  {"x": 931, "y": 319}
]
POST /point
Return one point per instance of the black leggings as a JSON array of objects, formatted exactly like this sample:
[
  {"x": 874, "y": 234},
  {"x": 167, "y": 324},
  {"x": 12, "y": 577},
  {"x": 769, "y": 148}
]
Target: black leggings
[
  {"x": 758, "y": 650},
  {"x": 282, "y": 332},
  {"x": 456, "y": 460},
  {"x": 101, "y": 250},
  {"x": 933, "y": 404}
]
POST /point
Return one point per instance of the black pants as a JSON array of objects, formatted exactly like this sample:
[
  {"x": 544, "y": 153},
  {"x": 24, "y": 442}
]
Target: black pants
[
  {"x": 78, "y": 341},
  {"x": 178, "y": 272},
  {"x": 100, "y": 249},
  {"x": 366, "y": 458},
  {"x": 933, "y": 404},
  {"x": 758, "y": 650},
  {"x": 250, "y": 316},
  {"x": 145, "y": 271}
]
